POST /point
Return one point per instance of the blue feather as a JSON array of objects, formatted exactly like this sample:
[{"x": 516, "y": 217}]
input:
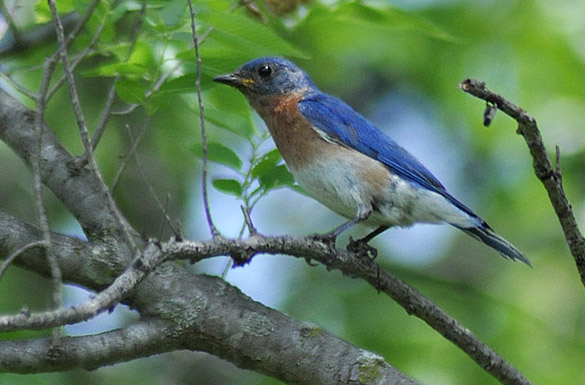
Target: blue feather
[{"x": 340, "y": 122}]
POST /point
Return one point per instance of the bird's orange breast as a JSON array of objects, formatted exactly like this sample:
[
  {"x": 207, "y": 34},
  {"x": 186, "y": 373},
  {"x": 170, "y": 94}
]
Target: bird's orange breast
[{"x": 296, "y": 139}]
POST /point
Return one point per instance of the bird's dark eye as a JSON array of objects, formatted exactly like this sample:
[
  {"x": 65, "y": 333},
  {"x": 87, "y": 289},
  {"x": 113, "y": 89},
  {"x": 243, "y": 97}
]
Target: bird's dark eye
[{"x": 264, "y": 71}]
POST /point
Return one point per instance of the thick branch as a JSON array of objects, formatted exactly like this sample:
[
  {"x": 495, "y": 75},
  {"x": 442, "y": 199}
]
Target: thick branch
[
  {"x": 160, "y": 292},
  {"x": 550, "y": 178},
  {"x": 141, "y": 339},
  {"x": 198, "y": 313},
  {"x": 90, "y": 265},
  {"x": 254, "y": 337},
  {"x": 106, "y": 299},
  {"x": 219, "y": 319},
  {"x": 351, "y": 265}
]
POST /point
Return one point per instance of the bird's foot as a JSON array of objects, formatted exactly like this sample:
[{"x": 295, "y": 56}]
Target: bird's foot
[
  {"x": 361, "y": 247},
  {"x": 363, "y": 250}
]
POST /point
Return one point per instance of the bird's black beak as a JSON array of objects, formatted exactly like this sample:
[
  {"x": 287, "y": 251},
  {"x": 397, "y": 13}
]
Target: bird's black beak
[
  {"x": 234, "y": 80},
  {"x": 229, "y": 79}
]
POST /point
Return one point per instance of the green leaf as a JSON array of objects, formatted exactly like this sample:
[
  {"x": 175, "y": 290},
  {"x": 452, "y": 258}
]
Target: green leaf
[
  {"x": 247, "y": 36},
  {"x": 110, "y": 70},
  {"x": 233, "y": 122},
  {"x": 174, "y": 13},
  {"x": 132, "y": 70},
  {"x": 130, "y": 91},
  {"x": 228, "y": 186},
  {"x": 127, "y": 6},
  {"x": 276, "y": 177},
  {"x": 230, "y": 110},
  {"x": 179, "y": 85},
  {"x": 266, "y": 163},
  {"x": 43, "y": 12},
  {"x": 367, "y": 29},
  {"x": 137, "y": 66},
  {"x": 217, "y": 152},
  {"x": 391, "y": 17}
]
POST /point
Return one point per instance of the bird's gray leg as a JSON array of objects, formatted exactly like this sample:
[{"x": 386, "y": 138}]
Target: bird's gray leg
[
  {"x": 363, "y": 214},
  {"x": 330, "y": 237},
  {"x": 373, "y": 234},
  {"x": 361, "y": 247}
]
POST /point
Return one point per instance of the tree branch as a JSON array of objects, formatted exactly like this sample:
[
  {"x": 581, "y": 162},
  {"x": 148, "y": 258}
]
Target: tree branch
[
  {"x": 199, "y": 313},
  {"x": 150, "y": 258},
  {"x": 212, "y": 228},
  {"x": 15, "y": 254},
  {"x": 23, "y": 41},
  {"x": 250, "y": 335},
  {"x": 91, "y": 265},
  {"x": 352, "y": 265},
  {"x": 140, "y": 339},
  {"x": 550, "y": 178},
  {"x": 149, "y": 303},
  {"x": 40, "y": 104}
]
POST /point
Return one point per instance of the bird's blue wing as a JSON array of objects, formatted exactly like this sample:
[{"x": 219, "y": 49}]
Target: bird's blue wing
[{"x": 340, "y": 122}]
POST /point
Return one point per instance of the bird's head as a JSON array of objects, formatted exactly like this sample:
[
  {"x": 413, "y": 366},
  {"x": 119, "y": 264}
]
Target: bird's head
[{"x": 267, "y": 76}]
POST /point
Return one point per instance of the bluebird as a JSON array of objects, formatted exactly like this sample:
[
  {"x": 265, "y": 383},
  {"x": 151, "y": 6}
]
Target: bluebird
[{"x": 345, "y": 162}]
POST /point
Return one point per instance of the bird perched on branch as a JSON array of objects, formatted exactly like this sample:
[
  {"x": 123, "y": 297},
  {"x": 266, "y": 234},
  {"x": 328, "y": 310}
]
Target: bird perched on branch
[{"x": 346, "y": 163}]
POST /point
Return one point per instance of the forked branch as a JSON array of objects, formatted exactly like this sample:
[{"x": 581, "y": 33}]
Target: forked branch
[{"x": 550, "y": 177}]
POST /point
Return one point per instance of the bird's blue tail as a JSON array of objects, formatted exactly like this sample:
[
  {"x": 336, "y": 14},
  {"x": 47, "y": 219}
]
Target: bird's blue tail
[{"x": 486, "y": 235}]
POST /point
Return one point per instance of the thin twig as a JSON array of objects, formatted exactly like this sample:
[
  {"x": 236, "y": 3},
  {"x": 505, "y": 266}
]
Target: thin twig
[
  {"x": 212, "y": 228},
  {"x": 84, "y": 133},
  {"x": 166, "y": 215},
  {"x": 76, "y": 62},
  {"x": 105, "y": 116},
  {"x": 9, "y": 20},
  {"x": 246, "y": 212},
  {"x": 40, "y": 108},
  {"x": 75, "y": 102},
  {"x": 107, "y": 111},
  {"x": 558, "y": 163},
  {"x": 129, "y": 154},
  {"x": 79, "y": 26},
  {"x": 53, "y": 59},
  {"x": 106, "y": 299},
  {"x": 164, "y": 210},
  {"x": 57, "y": 296},
  {"x": 551, "y": 179},
  {"x": 18, "y": 252},
  {"x": 17, "y": 86}
]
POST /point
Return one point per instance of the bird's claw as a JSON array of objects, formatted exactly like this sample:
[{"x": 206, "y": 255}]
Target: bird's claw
[
  {"x": 362, "y": 248},
  {"x": 308, "y": 260}
]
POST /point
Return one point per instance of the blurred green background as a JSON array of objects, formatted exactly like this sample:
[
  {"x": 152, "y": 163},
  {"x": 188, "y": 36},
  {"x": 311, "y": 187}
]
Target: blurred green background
[{"x": 397, "y": 62}]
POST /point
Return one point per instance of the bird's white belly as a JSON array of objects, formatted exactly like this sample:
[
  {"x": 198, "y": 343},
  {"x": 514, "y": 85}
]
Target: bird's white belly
[{"x": 340, "y": 185}]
